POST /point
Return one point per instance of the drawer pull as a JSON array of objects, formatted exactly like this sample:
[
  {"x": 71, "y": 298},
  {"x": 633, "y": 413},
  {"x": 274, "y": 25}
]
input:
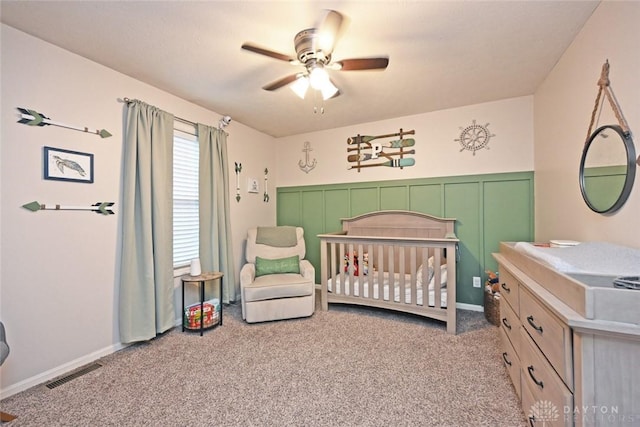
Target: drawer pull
[
  {"x": 535, "y": 380},
  {"x": 505, "y": 287},
  {"x": 505, "y": 323},
  {"x": 533, "y": 325},
  {"x": 504, "y": 356}
]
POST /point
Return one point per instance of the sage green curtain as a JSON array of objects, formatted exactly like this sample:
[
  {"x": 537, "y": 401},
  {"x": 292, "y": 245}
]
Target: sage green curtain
[
  {"x": 216, "y": 250},
  {"x": 146, "y": 273}
]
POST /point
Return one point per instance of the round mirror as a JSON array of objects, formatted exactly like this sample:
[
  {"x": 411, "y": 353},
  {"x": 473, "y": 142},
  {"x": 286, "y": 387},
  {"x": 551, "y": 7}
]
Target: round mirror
[{"x": 607, "y": 169}]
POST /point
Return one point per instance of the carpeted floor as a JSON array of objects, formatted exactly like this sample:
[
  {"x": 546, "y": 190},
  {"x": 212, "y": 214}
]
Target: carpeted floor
[{"x": 348, "y": 366}]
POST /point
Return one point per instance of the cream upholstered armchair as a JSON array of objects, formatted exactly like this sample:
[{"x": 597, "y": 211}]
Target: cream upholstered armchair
[{"x": 277, "y": 282}]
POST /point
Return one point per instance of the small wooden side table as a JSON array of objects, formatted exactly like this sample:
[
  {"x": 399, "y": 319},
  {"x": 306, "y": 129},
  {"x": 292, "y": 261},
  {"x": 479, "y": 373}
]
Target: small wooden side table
[{"x": 201, "y": 281}]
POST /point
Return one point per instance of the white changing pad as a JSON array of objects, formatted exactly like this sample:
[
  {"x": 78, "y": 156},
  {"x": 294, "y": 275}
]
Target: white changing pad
[{"x": 598, "y": 258}]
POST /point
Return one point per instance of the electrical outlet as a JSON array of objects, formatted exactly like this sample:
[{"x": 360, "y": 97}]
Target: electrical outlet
[{"x": 476, "y": 282}]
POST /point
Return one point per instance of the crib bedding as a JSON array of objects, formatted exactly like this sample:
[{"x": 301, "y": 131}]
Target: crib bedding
[{"x": 362, "y": 282}]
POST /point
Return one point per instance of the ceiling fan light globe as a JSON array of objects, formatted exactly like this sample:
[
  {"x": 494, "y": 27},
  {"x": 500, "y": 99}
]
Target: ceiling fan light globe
[
  {"x": 318, "y": 78},
  {"x": 328, "y": 90},
  {"x": 300, "y": 86}
]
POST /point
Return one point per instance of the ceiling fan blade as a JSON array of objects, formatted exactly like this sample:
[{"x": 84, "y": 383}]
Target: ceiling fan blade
[
  {"x": 281, "y": 82},
  {"x": 262, "y": 51},
  {"x": 329, "y": 29},
  {"x": 363, "y": 64}
]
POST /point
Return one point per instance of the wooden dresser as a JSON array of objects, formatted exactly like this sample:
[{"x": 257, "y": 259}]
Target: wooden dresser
[{"x": 572, "y": 350}]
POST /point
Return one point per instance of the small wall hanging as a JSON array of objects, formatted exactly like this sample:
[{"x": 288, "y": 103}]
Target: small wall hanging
[
  {"x": 103, "y": 208},
  {"x": 367, "y": 150},
  {"x": 238, "y": 170},
  {"x": 33, "y": 118},
  {"x": 66, "y": 165},
  {"x": 474, "y": 137},
  {"x": 266, "y": 193},
  {"x": 252, "y": 185},
  {"x": 306, "y": 167}
]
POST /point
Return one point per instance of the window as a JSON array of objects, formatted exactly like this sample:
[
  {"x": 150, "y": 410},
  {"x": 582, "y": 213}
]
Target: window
[{"x": 185, "y": 198}]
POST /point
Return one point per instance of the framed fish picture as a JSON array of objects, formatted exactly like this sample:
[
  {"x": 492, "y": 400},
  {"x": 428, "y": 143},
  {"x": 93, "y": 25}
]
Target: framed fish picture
[{"x": 66, "y": 165}]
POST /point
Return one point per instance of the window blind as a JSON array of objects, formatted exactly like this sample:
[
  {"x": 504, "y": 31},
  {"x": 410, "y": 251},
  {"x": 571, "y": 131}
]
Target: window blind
[{"x": 185, "y": 199}]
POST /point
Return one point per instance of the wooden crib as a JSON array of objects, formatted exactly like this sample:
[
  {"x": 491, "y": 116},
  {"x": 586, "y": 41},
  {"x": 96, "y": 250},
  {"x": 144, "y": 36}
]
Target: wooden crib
[{"x": 381, "y": 259}]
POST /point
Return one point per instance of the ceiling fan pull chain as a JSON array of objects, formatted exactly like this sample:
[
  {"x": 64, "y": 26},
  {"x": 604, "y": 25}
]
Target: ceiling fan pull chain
[{"x": 318, "y": 100}]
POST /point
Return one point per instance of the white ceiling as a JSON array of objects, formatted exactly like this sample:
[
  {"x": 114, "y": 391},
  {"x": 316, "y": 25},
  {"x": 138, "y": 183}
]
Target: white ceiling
[{"x": 442, "y": 54}]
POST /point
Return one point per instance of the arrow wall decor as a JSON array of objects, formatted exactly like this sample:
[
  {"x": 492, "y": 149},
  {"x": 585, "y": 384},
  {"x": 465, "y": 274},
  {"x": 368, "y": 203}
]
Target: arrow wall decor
[
  {"x": 34, "y": 118},
  {"x": 103, "y": 208},
  {"x": 238, "y": 170},
  {"x": 265, "y": 197}
]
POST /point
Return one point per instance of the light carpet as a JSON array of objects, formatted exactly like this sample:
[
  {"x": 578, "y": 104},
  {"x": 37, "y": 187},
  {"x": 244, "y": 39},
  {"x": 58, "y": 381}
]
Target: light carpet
[{"x": 349, "y": 366}]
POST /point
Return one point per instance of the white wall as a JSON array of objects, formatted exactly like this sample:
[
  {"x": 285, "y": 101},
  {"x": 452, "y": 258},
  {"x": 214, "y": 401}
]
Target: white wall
[
  {"x": 563, "y": 106},
  {"x": 59, "y": 270},
  {"x": 437, "y": 152}
]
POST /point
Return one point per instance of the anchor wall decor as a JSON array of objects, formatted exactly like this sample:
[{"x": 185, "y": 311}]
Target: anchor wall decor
[
  {"x": 366, "y": 150},
  {"x": 306, "y": 167}
]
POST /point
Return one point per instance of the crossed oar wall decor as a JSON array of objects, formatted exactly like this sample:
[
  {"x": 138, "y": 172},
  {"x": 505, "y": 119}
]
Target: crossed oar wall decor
[{"x": 364, "y": 150}]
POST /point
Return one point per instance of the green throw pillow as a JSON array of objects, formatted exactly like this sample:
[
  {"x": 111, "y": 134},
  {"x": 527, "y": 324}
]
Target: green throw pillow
[{"x": 277, "y": 266}]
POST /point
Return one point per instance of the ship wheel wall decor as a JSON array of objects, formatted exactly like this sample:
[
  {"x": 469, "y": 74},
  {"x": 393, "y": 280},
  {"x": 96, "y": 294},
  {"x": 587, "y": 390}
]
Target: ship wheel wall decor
[{"x": 474, "y": 137}]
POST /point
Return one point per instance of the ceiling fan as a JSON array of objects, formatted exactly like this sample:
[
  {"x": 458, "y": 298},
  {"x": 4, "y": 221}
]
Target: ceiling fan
[{"x": 314, "y": 47}]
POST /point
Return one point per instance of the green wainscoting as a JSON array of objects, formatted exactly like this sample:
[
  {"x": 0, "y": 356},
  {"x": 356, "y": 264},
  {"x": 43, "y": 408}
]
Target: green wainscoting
[{"x": 488, "y": 209}]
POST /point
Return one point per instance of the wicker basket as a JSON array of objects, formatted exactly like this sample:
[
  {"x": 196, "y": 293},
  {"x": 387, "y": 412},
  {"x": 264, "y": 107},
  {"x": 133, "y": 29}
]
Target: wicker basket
[
  {"x": 491, "y": 308},
  {"x": 211, "y": 314}
]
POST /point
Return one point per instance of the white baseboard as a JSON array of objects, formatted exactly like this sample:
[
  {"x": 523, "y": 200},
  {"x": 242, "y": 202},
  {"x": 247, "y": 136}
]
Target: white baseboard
[
  {"x": 58, "y": 371},
  {"x": 470, "y": 307}
]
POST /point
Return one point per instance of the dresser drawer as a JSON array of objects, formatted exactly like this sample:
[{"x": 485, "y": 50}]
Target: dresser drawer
[
  {"x": 509, "y": 290},
  {"x": 511, "y": 361},
  {"x": 542, "y": 381},
  {"x": 510, "y": 324},
  {"x": 541, "y": 413},
  {"x": 551, "y": 335}
]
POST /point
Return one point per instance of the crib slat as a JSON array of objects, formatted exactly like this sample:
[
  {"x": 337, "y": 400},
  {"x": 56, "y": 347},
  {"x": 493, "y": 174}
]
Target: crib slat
[
  {"x": 426, "y": 254},
  {"x": 381, "y": 268},
  {"x": 333, "y": 269},
  {"x": 412, "y": 269},
  {"x": 437, "y": 279},
  {"x": 392, "y": 274},
  {"x": 370, "y": 271},
  {"x": 350, "y": 285},
  {"x": 402, "y": 282},
  {"x": 341, "y": 269},
  {"x": 360, "y": 279}
]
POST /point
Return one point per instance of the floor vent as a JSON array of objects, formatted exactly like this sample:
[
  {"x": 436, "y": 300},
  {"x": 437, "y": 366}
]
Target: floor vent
[{"x": 73, "y": 376}]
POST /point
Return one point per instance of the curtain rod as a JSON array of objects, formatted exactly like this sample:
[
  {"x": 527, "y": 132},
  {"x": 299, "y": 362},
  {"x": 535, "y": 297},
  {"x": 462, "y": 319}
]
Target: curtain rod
[{"x": 180, "y": 119}]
